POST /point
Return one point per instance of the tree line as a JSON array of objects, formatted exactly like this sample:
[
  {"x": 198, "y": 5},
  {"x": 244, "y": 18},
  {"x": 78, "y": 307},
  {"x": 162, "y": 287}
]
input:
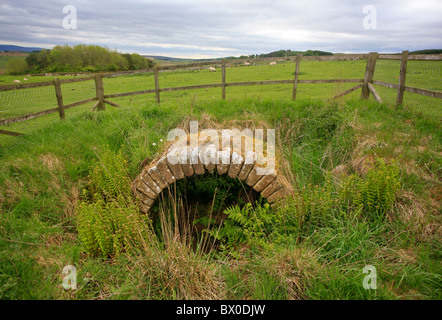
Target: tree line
[
  {"x": 78, "y": 58},
  {"x": 284, "y": 53}
]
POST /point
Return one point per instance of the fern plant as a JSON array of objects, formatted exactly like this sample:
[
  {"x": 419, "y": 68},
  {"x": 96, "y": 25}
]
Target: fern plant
[
  {"x": 374, "y": 195},
  {"x": 248, "y": 224},
  {"x": 108, "y": 218}
]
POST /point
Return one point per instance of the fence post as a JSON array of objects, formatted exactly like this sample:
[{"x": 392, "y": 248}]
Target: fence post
[
  {"x": 59, "y": 96},
  {"x": 99, "y": 91},
  {"x": 295, "y": 81},
  {"x": 369, "y": 72},
  {"x": 157, "y": 84},
  {"x": 223, "y": 76},
  {"x": 403, "y": 73}
]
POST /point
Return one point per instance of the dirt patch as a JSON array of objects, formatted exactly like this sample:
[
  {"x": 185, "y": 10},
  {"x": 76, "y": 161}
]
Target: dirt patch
[
  {"x": 70, "y": 201},
  {"x": 419, "y": 215},
  {"x": 51, "y": 162}
]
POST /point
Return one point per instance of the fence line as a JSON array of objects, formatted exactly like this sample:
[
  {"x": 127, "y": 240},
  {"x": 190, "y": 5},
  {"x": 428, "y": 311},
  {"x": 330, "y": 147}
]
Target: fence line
[{"x": 366, "y": 83}]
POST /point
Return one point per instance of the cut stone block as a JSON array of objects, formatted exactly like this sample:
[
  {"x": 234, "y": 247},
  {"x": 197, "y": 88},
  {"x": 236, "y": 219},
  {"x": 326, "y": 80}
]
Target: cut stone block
[
  {"x": 278, "y": 194},
  {"x": 150, "y": 183},
  {"x": 165, "y": 171},
  {"x": 236, "y": 164},
  {"x": 272, "y": 187},
  {"x": 174, "y": 163},
  {"x": 157, "y": 177},
  {"x": 144, "y": 189},
  {"x": 223, "y": 164},
  {"x": 185, "y": 158},
  {"x": 198, "y": 166},
  {"x": 256, "y": 174},
  {"x": 209, "y": 155},
  {"x": 248, "y": 165},
  {"x": 264, "y": 182}
]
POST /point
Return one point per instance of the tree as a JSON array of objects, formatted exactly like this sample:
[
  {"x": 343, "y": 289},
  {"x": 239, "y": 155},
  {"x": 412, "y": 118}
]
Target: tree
[
  {"x": 65, "y": 58},
  {"x": 136, "y": 62},
  {"x": 17, "y": 66}
]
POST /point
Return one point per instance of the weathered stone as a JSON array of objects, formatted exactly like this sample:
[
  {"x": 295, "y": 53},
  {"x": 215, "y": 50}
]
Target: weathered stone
[
  {"x": 165, "y": 171},
  {"x": 272, "y": 187},
  {"x": 256, "y": 174},
  {"x": 248, "y": 165},
  {"x": 150, "y": 183},
  {"x": 208, "y": 157},
  {"x": 147, "y": 201},
  {"x": 278, "y": 194},
  {"x": 185, "y": 158},
  {"x": 157, "y": 177},
  {"x": 198, "y": 166},
  {"x": 264, "y": 182},
  {"x": 143, "y": 188},
  {"x": 223, "y": 164},
  {"x": 146, "y": 204},
  {"x": 236, "y": 164},
  {"x": 173, "y": 162}
]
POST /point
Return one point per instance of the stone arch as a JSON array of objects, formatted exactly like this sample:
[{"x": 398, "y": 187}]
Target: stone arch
[{"x": 214, "y": 151}]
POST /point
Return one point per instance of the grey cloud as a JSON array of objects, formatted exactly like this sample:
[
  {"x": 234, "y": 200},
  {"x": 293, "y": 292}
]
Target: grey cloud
[{"x": 221, "y": 28}]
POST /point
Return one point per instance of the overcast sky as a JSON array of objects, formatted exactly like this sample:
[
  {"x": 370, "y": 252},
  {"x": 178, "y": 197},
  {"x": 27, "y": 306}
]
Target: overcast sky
[{"x": 215, "y": 28}]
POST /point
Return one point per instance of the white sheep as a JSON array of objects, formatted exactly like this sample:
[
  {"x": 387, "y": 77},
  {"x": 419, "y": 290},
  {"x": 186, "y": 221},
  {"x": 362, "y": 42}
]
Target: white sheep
[
  {"x": 247, "y": 63},
  {"x": 212, "y": 69},
  {"x": 25, "y": 79},
  {"x": 273, "y": 63},
  {"x": 16, "y": 81}
]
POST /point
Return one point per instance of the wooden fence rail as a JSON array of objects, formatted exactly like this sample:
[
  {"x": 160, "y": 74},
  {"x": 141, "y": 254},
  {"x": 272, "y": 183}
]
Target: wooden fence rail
[{"x": 366, "y": 84}]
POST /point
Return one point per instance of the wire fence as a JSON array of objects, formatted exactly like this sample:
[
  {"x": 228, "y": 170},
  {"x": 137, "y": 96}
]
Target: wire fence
[
  {"x": 309, "y": 78},
  {"x": 420, "y": 74}
]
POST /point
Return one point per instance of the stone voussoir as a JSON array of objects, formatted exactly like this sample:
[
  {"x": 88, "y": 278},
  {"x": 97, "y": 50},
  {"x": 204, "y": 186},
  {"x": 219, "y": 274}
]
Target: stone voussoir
[
  {"x": 264, "y": 181},
  {"x": 272, "y": 187},
  {"x": 157, "y": 177},
  {"x": 165, "y": 171}
]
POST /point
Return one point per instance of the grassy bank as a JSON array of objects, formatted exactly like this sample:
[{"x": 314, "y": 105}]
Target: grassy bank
[{"x": 317, "y": 251}]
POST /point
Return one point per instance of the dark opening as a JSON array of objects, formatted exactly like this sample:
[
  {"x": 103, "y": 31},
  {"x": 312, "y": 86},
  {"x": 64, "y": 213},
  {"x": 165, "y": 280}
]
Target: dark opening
[{"x": 196, "y": 203}]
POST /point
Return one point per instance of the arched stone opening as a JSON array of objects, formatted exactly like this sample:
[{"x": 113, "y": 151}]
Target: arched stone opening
[{"x": 232, "y": 153}]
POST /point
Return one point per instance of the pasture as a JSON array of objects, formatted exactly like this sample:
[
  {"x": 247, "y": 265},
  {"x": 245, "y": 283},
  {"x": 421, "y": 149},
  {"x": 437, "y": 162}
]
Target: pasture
[{"x": 316, "y": 247}]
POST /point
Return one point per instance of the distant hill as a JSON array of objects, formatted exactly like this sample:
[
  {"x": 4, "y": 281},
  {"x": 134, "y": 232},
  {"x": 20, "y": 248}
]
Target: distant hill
[
  {"x": 8, "y": 47},
  {"x": 172, "y": 59},
  {"x": 163, "y": 58},
  {"x": 427, "y": 51}
]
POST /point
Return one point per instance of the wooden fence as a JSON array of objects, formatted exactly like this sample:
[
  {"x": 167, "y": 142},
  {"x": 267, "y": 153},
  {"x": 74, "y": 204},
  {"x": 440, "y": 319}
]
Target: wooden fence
[{"x": 365, "y": 84}]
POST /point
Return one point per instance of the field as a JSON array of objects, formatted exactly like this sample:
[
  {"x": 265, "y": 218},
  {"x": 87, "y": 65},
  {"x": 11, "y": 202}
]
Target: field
[{"x": 316, "y": 250}]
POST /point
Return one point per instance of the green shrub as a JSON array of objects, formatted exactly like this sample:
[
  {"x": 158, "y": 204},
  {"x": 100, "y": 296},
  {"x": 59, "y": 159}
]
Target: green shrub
[
  {"x": 108, "y": 220},
  {"x": 371, "y": 196}
]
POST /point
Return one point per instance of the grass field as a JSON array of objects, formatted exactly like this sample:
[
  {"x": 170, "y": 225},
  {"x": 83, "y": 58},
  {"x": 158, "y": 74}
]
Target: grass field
[
  {"x": 421, "y": 74},
  {"x": 320, "y": 249}
]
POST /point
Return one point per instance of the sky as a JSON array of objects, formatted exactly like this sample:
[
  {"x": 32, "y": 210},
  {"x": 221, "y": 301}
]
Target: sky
[{"x": 214, "y": 28}]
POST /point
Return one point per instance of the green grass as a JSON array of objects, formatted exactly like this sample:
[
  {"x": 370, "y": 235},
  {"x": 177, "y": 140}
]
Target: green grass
[
  {"x": 422, "y": 74},
  {"x": 42, "y": 175}
]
